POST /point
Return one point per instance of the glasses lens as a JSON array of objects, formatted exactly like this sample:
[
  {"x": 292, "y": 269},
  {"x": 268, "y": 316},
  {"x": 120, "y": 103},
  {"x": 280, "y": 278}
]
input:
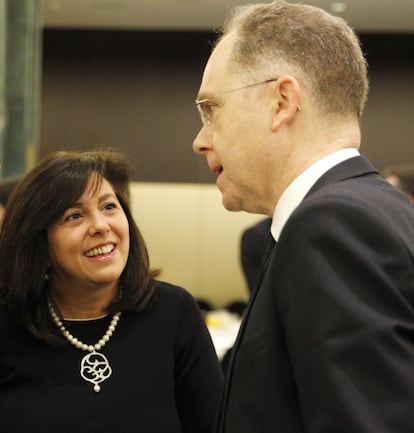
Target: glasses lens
[{"x": 205, "y": 120}]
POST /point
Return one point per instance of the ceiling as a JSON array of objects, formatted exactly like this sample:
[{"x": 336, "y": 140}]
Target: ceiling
[{"x": 363, "y": 15}]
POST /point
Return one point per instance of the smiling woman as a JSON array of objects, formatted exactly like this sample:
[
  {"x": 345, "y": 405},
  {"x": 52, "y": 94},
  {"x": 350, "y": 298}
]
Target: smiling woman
[
  {"x": 81, "y": 312},
  {"x": 88, "y": 247}
]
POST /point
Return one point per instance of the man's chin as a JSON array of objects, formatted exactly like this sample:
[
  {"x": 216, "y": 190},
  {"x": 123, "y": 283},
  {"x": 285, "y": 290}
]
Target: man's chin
[{"x": 230, "y": 205}]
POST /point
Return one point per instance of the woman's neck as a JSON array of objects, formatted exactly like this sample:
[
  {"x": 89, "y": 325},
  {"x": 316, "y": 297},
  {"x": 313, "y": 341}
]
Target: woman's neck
[{"x": 83, "y": 305}]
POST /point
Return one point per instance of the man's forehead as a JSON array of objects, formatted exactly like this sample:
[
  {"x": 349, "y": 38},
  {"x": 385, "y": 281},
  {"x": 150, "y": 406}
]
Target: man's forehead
[
  {"x": 217, "y": 73},
  {"x": 221, "y": 55}
]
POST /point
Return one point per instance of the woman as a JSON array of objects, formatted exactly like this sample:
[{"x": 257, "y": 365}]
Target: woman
[{"x": 91, "y": 341}]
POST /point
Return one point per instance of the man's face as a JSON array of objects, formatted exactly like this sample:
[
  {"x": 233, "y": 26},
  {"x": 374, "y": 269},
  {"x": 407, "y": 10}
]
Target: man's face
[{"x": 234, "y": 141}]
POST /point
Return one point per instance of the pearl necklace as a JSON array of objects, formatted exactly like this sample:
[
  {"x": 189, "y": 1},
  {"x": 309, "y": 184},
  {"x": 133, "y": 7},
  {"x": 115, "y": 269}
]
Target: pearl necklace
[{"x": 95, "y": 366}]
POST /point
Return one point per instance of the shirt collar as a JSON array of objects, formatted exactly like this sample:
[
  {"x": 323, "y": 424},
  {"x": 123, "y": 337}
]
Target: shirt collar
[{"x": 299, "y": 187}]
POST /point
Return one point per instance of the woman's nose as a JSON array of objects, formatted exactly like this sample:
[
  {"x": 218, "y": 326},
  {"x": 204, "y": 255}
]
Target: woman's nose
[{"x": 99, "y": 225}]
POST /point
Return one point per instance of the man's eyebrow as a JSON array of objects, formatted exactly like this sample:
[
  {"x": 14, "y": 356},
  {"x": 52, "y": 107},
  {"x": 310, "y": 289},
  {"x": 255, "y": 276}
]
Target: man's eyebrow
[
  {"x": 200, "y": 97},
  {"x": 200, "y": 101},
  {"x": 204, "y": 94}
]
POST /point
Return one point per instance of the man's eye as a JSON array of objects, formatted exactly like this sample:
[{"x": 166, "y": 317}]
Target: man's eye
[
  {"x": 208, "y": 111},
  {"x": 208, "y": 108}
]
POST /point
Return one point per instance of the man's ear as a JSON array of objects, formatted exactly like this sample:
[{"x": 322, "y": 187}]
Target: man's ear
[{"x": 287, "y": 95}]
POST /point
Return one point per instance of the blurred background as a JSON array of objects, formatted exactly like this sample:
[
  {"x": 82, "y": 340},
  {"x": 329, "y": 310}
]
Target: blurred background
[{"x": 82, "y": 74}]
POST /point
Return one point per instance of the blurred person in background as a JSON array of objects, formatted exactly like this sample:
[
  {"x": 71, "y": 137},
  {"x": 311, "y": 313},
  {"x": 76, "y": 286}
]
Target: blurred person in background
[
  {"x": 402, "y": 177},
  {"x": 252, "y": 242}
]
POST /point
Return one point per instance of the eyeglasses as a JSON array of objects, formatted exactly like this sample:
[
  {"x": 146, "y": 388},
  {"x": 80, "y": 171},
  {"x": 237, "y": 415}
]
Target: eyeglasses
[{"x": 204, "y": 105}]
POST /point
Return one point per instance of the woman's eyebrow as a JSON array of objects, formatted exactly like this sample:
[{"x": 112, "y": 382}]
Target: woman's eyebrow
[
  {"x": 101, "y": 198},
  {"x": 106, "y": 196}
]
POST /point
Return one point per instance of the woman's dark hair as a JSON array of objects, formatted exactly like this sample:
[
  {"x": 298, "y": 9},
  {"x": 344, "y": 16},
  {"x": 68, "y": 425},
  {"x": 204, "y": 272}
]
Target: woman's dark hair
[{"x": 36, "y": 203}]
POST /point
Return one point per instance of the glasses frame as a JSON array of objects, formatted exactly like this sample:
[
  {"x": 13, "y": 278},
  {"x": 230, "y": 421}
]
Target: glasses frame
[{"x": 201, "y": 103}]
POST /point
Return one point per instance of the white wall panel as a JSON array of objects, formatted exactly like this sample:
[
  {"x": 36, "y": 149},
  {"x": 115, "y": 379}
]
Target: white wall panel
[{"x": 192, "y": 238}]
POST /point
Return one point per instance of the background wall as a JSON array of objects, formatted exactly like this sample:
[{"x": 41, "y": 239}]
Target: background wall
[
  {"x": 192, "y": 238},
  {"x": 131, "y": 90},
  {"x": 135, "y": 90}
]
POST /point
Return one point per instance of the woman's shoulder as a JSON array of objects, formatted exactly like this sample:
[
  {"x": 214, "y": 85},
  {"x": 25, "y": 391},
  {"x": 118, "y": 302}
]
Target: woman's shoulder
[
  {"x": 170, "y": 307},
  {"x": 8, "y": 323},
  {"x": 175, "y": 299},
  {"x": 4, "y": 314},
  {"x": 168, "y": 292}
]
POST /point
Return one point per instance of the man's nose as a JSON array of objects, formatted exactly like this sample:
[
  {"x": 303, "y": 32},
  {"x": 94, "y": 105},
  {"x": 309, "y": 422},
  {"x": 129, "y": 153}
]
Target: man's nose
[{"x": 201, "y": 143}]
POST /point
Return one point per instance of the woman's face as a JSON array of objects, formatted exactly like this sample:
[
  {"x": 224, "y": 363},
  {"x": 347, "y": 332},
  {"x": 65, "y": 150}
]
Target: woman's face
[{"x": 89, "y": 244}]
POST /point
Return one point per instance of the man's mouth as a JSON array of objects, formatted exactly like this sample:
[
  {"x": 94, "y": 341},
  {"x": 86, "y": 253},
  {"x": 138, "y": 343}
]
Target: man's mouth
[{"x": 217, "y": 169}]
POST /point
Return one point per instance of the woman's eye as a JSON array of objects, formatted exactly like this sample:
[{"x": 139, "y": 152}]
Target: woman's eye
[
  {"x": 73, "y": 216},
  {"x": 110, "y": 206}
]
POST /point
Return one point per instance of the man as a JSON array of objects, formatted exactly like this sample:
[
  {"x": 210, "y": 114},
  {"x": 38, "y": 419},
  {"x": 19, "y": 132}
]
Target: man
[{"x": 327, "y": 341}]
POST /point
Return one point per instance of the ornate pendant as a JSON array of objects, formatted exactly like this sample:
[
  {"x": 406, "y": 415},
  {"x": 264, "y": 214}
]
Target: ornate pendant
[{"x": 95, "y": 368}]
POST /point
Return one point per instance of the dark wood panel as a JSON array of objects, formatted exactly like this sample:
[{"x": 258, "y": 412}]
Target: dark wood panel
[{"x": 134, "y": 91}]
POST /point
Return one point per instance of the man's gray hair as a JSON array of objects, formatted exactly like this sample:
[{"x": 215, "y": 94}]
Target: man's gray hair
[{"x": 319, "y": 49}]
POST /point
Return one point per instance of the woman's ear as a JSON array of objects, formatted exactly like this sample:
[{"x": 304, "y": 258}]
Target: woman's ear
[{"x": 287, "y": 95}]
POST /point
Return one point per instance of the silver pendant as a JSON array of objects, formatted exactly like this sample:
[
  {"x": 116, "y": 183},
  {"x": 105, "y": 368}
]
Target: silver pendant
[{"x": 95, "y": 368}]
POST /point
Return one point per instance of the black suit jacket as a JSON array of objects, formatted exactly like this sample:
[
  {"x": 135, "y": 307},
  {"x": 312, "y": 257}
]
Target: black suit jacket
[{"x": 327, "y": 341}]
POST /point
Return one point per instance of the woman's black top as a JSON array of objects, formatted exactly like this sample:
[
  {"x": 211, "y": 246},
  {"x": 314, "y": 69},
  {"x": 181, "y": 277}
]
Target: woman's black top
[{"x": 165, "y": 374}]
